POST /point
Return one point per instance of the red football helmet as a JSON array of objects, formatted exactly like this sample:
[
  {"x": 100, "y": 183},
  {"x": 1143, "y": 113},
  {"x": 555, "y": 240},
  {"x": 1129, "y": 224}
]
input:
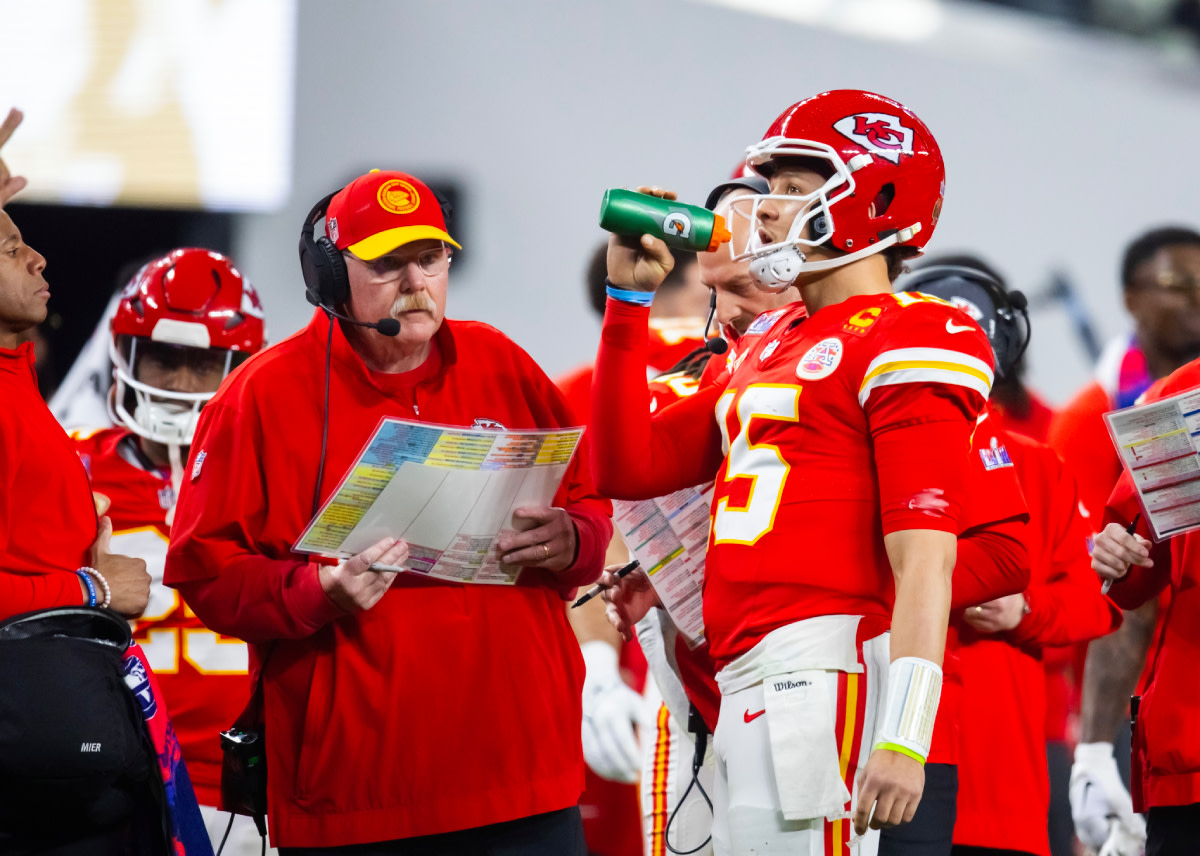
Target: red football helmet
[
  {"x": 886, "y": 186},
  {"x": 189, "y": 308}
]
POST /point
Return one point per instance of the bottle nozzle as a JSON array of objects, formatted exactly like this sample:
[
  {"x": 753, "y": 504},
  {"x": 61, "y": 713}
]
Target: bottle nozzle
[{"x": 720, "y": 234}]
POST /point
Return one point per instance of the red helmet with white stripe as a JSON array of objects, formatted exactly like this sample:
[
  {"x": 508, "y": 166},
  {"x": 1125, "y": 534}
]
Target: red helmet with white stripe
[
  {"x": 190, "y": 308},
  {"x": 885, "y": 186}
]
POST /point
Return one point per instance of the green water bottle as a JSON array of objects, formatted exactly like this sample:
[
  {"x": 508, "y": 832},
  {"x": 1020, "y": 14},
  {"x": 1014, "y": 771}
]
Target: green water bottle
[{"x": 685, "y": 227}]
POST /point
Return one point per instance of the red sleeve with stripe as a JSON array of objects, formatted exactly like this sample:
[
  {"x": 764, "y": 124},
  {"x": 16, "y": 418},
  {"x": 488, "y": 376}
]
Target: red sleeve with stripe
[{"x": 922, "y": 394}]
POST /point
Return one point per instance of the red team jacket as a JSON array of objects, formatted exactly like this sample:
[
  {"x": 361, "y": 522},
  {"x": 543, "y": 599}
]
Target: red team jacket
[
  {"x": 1003, "y": 787},
  {"x": 47, "y": 517},
  {"x": 202, "y": 676},
  {"x": 1166, "y": 740},
  {"x": 445, "y": 706},
  {"x": 838, "y": 430}
]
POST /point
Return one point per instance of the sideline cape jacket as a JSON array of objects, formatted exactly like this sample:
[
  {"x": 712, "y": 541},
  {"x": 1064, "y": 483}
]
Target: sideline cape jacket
[{"x": 444, "y": 707}]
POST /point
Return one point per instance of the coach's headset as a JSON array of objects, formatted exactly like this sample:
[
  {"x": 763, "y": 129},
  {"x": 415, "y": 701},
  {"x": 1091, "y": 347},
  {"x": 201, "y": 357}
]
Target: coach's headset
[
  {"x": 1002, "y": 314},
  {"x": 327, "y": 285},
  {"x": 326, "y": 282}
]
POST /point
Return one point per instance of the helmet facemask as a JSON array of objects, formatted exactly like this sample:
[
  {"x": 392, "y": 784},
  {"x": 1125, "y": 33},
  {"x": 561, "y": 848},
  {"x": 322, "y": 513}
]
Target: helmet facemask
[
  {"x": 775, "y": 266},
  {"x": 160, "y": 415}
]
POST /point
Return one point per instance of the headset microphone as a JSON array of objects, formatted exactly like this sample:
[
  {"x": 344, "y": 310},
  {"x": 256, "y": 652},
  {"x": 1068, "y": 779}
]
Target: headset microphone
[
  {"x": 715, "y": 345},
  {"x": 384, "y": 326}
]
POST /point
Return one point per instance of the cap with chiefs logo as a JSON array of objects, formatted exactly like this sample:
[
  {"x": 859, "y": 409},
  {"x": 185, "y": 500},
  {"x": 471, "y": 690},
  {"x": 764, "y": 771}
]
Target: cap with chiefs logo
[
  {"x": 382, "y": 210},
  {"x": 890, "y": 173}
]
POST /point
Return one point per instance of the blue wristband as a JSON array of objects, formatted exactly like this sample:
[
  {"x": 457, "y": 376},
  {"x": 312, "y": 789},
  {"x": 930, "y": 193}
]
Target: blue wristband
[
  {"x": 91, "y": 587},
  {"x": 637, "y": 298}
]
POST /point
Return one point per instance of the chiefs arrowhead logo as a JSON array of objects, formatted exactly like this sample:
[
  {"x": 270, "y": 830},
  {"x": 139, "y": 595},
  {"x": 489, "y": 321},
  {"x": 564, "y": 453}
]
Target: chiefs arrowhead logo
[{"x": 880, "y": 133}]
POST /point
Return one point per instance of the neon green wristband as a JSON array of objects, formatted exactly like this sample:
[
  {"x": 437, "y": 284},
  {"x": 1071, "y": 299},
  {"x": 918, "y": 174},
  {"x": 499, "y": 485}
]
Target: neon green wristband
[{"x": 903, "y": 750}]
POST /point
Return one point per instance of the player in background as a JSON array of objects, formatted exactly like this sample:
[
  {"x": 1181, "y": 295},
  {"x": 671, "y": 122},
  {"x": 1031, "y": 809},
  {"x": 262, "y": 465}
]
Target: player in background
[
  {"x": 1159, "y": 274},
  {"x": 616, "y": 670},
  {"x": 1003, "y": 807},
  {"x": 856, "y": 185},
  {"x": 184, "y": 321},
  {"x": 1160, "y": 283}
]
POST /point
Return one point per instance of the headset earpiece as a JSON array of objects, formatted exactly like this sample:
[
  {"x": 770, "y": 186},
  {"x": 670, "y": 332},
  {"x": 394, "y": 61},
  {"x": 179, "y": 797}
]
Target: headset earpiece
[
  {"x": 1013, "y": 338},
  {"x": 446, "y": 206},
  {"x": 321, "y": 264}
]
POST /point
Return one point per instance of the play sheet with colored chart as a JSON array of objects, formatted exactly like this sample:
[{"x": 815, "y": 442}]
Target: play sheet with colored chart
[
  {"x": 448, "y": 492},
  {"x": 669, "y": 537},
  {"x": 1159, "y": 444}
]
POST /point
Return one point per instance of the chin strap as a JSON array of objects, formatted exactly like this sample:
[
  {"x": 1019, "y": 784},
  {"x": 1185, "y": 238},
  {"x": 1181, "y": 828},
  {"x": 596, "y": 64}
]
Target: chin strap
[
  {"x": 900, "y": 237},
  {"x": 173, "y": 454}
]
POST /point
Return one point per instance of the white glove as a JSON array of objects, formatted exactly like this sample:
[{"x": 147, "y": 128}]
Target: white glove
[
  {"x": 610, "y": 711},
  {"x": 1099, "y": 802},
  {"x": 1125, "y": 842}
]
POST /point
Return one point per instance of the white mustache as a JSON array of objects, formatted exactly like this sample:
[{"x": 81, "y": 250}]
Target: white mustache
[{"x": 418, "y": 301}]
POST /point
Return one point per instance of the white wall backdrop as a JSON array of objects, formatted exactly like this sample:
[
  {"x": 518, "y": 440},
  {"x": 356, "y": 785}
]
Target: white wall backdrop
[{"x": 1059, "y": 147}]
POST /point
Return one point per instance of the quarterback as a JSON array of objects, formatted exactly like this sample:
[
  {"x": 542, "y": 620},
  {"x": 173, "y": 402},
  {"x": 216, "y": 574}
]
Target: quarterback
[{"x": 839, "y": 447}]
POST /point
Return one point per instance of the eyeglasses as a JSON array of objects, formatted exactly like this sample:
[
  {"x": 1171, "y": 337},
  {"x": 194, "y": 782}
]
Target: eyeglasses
[{"x": 386, "y": 268}]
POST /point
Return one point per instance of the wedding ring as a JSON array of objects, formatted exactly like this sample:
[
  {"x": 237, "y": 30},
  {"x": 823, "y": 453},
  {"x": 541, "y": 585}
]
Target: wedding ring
[{"x": 546, "y": 550}]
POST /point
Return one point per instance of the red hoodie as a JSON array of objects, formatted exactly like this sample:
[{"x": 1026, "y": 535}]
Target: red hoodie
[{"x": 443, "y": 707}]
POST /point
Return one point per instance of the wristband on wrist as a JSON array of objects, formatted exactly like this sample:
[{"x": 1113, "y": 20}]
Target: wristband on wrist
[
  {"x": 914, "y": 687},
  {"x": 638, "y": 298},
  {"x": 91, "y": 589},
  {"x": 99, "y": 578}
]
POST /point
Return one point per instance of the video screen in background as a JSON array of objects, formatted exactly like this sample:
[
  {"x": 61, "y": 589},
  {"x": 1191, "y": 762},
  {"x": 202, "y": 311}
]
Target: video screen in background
[{"x": 180, "y": 104}]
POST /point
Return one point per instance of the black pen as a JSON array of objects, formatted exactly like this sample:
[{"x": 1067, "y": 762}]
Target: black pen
[
  {"x": 1131, "y": 528},
  {"x": 597, "y": 588}
]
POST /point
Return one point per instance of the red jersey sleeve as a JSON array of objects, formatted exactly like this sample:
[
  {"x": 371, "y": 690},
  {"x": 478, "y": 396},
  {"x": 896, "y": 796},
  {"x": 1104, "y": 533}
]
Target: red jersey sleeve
[
  {"x": 992, "y": 562},
  {"x": 232, "y": 588},
  {"x": 1066, "y": 606},
  {"x": 922, "y": 394},
  {"x": 635, "y": 455}
]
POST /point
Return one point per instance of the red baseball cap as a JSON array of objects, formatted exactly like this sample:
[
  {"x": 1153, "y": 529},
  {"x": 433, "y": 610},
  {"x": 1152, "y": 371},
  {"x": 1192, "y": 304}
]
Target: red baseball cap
[{"x": 382, "y": 210}]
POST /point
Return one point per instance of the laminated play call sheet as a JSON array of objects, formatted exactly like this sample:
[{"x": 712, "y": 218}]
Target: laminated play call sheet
[
  {"x": 669, "y": 537},
  {"x": 448, "y": 492},
  {"x": 1158, "y": 444}
]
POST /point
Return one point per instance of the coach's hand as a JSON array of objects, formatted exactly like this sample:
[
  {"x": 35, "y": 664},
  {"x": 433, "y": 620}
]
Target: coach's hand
[
  {"x": 354, "y": 585},
  {"x": 891, "y": 785},
  {"x": 545, "y": 537},
  {"x": 628, "y": 599},
  {"x": 1115, "y": 550},
  {"x": 640, "y": 263},
  {"x": 128, "y": 581},
  {"x": 11, "y": 185},
  {"x": 996, "y": 616}
]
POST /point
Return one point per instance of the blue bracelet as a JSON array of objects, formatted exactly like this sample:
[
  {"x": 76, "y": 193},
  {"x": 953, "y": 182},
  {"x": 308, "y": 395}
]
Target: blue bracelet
[
  {"x": 637, "y": 298},
  {"x": 91, "y": 587}
]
